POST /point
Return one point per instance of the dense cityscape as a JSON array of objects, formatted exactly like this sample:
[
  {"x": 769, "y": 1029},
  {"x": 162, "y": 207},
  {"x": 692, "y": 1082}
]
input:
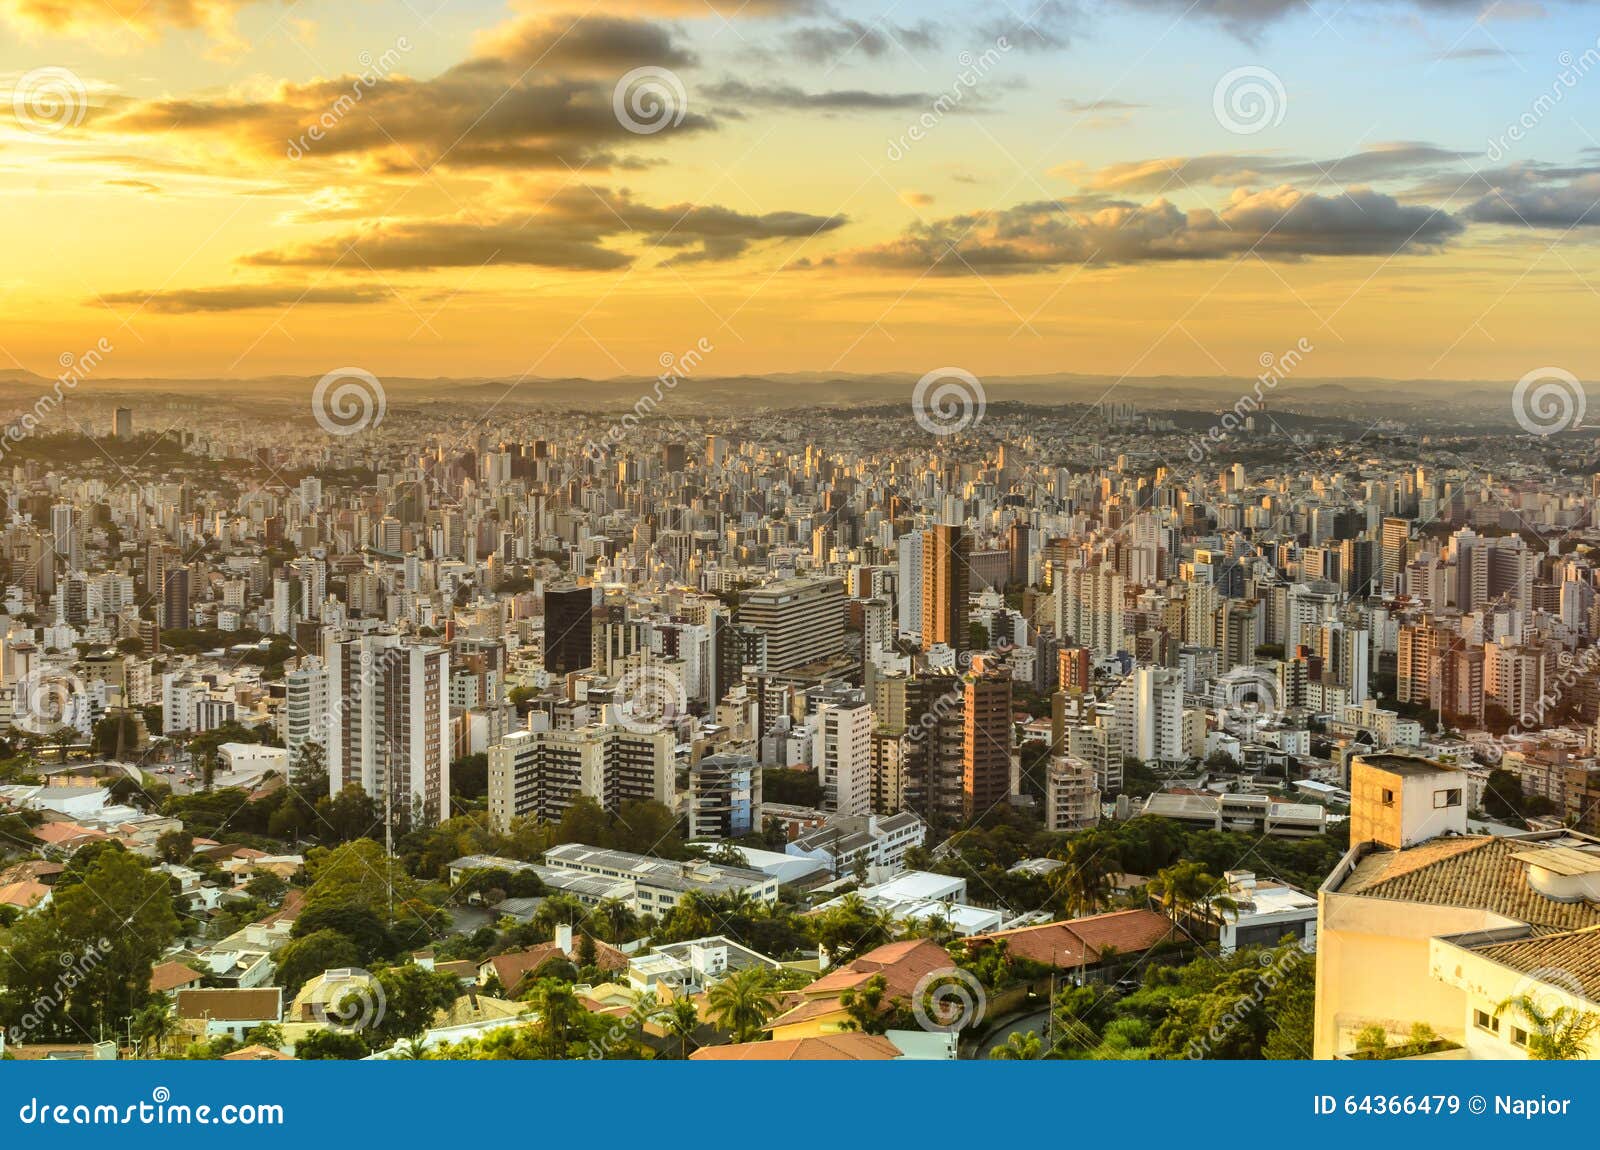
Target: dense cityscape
[
  {"x": 1062, "y": 532},
  {"x": 945, "y": 731}
]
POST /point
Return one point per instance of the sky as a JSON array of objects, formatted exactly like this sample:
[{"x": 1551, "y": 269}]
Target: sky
[{"x": 238, "y": 188}]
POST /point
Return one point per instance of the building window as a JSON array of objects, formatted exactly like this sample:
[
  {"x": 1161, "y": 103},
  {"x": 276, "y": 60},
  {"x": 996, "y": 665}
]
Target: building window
[
  {"x": 1483, "y": 1020},
  {"x": 1388, "y": 797},
  {"x": 1442, "y": 799},
  {"x": 1519, "y": 1036}
]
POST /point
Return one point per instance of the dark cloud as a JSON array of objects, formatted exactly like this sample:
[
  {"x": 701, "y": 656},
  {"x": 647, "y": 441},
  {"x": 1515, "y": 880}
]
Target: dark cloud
[
  {"x": 1245, "y": 17},
  {"x": 573, "y": 231},
  {"x": 245, "y": 298},
  {"x": 1403, "y": 160},
  {"x": 1531, "y": 203},
  {"x": 829, "y": 43},
  {"x": 536, "y": 93},
  {"x": 786, "y": 96},
  {"x": 1034, "y": 27},
  {"x": 1280, "y": 223}
]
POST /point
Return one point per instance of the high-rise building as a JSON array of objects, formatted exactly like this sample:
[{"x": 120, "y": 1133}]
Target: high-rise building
[
  {"x": 986, "y": 741},
  {"x": 175, "y": 597},
  {"x": 908, "y": 599},
  {"x": 1071, "y": 795},
  {"x": 842, "y": 756},
  {"x": 1395, "y": 541},
  {"x": 306, "y": 713},
  {"x": 391, "y": 726},
  {"x": 122, "y": 425},
  {"x": 724, "y": 797},
  {"x": 538, "y": 774},
  {"x": 946, "y": 581},
  {"x": 568, "y": 629},
  {"x": 801, "y": 620}
]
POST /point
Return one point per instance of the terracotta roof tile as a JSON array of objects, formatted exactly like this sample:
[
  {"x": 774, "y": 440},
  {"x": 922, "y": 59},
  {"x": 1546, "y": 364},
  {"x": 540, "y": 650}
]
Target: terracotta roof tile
[
  {"x": 846, "y": 1047},
  {"x": 1469, "y": 872}
]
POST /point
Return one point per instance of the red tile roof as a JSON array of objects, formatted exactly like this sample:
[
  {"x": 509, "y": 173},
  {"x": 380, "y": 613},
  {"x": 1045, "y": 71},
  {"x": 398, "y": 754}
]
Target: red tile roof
[
  {"x": 172, "y": 975},
  {"x": 1082, "y": 941},
  {"x": 845, "y": 1047},
  {"x": 515, "y": 967},
  {"x": 902, "y": 964}
]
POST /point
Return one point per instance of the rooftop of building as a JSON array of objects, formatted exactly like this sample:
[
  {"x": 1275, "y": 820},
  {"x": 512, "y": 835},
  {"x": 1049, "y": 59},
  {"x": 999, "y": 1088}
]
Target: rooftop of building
[
  {"x": 1408, "y": 766},
  {"x": 1481, "y": 871}
]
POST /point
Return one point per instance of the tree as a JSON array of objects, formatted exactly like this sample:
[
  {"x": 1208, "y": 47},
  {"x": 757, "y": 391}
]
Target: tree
[
  {"x": 413, "y": 995},
  {"x": 153, "y": 1025},
  {"x": 1084, "y": 884},
  {"x": 303, "y": 959},
  {"x": 267, "y": 1034},
  {"x": 615, "y": 920},
  {"x": 1019, "y": 1047},
  {"x": 1558, "y": 1035},
  {"x": 681, "y": 1020},
  {"x": 1186, "y": 888},
  {"x": 744, "y": 1002},
  {"x": 852, "y": 928},
  {"x": 871, "y": 1010},
  {"x": 563, "y": 1029},
  {"x": 125, "y": 902},
  {"x": 356, "y": 874},
  {"x": 175, "y": 846},
  {"x": 357, "y": 924},
  {"x": 266, "y": 887},
  {"x": 329, "y": 1045}
]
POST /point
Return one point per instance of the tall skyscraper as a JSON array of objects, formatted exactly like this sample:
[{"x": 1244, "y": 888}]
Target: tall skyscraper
[
  {"x": 391, "y": 727},
  {"x": 843, "y": 756},
  {"x": 986, "y": 741},
  {"x": 946, "y": 581},
  {"x": 568, "y": 629},
  {"x": 1395, "y": 543},
  {"x": 175, "y": 597}
]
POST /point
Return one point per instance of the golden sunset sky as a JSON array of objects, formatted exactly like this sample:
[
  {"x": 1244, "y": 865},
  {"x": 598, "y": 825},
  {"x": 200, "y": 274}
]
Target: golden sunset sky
[{"x": 1139, "y": 187}]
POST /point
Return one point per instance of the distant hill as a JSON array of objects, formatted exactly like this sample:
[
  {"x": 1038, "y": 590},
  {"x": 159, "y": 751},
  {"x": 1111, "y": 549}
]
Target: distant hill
[{"x": 1344, "y": 396}]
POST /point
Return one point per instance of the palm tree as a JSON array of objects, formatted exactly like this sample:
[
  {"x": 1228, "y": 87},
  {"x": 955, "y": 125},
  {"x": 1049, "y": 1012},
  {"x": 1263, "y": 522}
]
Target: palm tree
[
  {"x": 1019, "y": 1047},
  {"x": 1185, "y": 888},
  {"x": 411, "y": 1050},
  {"x": 154, "y": 1024},
  {"x": 1084, "y": 884},
  {"x": 617, "y": 920},
  {"x": 682, "y": 1019},
  {"x": 743, "y": 1002},
  {"x": 1558, "y": 1036}
]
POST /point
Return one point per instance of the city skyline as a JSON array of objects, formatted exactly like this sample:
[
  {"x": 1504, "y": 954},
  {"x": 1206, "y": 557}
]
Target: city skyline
[{"x": 1131, "y": 189}]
